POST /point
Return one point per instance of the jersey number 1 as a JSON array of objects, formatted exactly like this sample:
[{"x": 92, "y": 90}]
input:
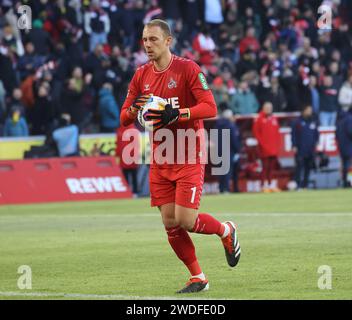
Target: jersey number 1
[{"x": 193, "y": 194}]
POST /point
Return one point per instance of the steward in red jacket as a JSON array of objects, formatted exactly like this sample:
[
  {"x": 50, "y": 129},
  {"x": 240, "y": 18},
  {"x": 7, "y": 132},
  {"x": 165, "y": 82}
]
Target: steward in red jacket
[{"x": 266, "y": 131}]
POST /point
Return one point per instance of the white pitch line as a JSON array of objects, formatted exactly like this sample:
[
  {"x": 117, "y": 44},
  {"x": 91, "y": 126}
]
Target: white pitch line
[{"x": 93, "y": 296}]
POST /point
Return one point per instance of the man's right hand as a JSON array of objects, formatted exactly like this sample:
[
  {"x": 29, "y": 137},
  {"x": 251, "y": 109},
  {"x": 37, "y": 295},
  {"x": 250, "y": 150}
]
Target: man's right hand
[{"x": 138, "y": 104}]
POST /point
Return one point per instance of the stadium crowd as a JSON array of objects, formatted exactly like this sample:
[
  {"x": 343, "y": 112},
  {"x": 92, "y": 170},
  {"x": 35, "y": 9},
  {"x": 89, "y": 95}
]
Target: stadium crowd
[{"x": 79, "y": 56}]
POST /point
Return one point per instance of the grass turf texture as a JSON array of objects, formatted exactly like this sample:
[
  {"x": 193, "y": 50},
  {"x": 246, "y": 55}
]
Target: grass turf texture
[{"x": 120, "y": 248}]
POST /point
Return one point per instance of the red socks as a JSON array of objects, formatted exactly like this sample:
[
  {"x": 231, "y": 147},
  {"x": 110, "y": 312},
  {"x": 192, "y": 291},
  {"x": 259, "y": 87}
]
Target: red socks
[
  {"x": 206, "y": 224},
  {"x": 182, "y": 244}
]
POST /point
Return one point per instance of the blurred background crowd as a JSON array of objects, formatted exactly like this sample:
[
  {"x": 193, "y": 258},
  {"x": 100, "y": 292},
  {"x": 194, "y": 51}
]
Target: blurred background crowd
[{"x": 79, "y": 55}]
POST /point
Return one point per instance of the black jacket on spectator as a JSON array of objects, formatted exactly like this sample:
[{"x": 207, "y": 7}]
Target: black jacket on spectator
[
  {"x": 42, "y": 115},
  {"x": 328, "y": 99},
  {"x": 305, "y": 136},
  {"x": 7, "y": 73},
  {"x": 41, "y": 40},
  {"x": 289, "y": 84},
  {"x": 278, "y": 98}
]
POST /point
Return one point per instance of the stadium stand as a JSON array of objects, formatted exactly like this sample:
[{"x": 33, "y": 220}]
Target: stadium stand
[
  {"x": 251, "y": 51},
  {"x": 269, "y": 48}
]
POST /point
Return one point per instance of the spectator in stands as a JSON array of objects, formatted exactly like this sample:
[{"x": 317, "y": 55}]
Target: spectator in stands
[
  {"x": 334, "y": 70},
  {"x": 128, "y": 160},
  {"x": 10, "y": 41},
  {"x": 94, "y": 65},
  {"x": 344, "y": 140},
  {"x": 40, "y": 38},
  {"x": 247, "y": 63},
  {"x": 220, "y": 91},
  {"x": 76, "y": 97},
  {"x": 108, "y": 109},
  {"x": 96, "y": 25},
  {"x": 279, "y": 37},
  {"x": 328, "y": 102},
  {"x": 204, "y": 45},
  {"x": 244, "y": 100},
  {"x": 225, "y": 122},
  {"x": 345, "y": 94},
  {"x": 42, "y": 113},
  {"x": 252, "y": 19},
  {"x": 314, "y": 95},
  {"x": 305, "y": 137},
  {"x": 213, "y": 16},
  {"x": 66, "y": 137},
  {"x": 266, "y": 131},
  {"x": 2, "y": 101},
  {"x": 8, "y": 69},
  {"x": 29, "y": 62},
  {"x": 192, "y": 14},
  {"x": 16, "y": 99},
  {"x": 15, "y": 124},
  {"x": 275, "y": 94},
  {"x": 249, "y": 42}
]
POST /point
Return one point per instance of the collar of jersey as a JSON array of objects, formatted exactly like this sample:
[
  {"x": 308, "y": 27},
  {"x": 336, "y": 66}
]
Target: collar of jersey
[{"x": 168, "y": 66}]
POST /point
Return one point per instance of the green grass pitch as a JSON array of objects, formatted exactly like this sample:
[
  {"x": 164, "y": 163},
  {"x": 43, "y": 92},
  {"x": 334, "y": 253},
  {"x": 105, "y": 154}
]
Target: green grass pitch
[{"x": 119, "y": 250}]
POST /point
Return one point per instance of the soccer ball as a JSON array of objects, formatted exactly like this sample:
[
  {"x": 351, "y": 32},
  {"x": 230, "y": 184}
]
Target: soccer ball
[{"x": 154, "y": 102}]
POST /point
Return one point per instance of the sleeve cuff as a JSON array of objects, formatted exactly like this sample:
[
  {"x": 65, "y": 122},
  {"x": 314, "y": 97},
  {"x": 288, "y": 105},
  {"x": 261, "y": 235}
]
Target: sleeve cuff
[{"x": 185, "y": 115}]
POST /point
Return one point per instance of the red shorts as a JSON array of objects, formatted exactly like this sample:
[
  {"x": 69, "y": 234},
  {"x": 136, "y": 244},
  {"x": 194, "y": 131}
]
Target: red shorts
[{"x": 180, "y": 184}]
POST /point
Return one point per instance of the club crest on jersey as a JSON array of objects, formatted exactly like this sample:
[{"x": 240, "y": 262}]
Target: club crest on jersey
[
  {"x": 146, "y": 87},
  {"x": 172, "y": 84}
]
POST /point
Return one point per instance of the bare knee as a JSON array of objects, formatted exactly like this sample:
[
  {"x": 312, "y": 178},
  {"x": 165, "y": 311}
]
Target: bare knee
[
  {"x": 168, "y": 215},
  {"x": 185, "y": 217},
  {"x": 185, "y": 224},
  {"x": 169, "y": 222}
]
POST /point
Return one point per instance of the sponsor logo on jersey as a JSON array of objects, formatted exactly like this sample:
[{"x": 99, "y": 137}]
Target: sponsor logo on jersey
[
  {"x": 172, "y": 84},
  {"x": 203, "y": 81},
  {"x": 173, "y": 101}
]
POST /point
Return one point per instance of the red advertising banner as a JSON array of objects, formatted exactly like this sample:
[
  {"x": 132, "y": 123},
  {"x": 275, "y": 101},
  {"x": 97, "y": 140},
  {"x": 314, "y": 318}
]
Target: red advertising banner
[
  {"x": 61, "y": 179},
  {"x": 327, "y": 142}
]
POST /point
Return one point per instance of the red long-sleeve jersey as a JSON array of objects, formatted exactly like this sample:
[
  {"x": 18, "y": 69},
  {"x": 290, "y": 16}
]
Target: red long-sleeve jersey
[{"x": 182, "y": 84}]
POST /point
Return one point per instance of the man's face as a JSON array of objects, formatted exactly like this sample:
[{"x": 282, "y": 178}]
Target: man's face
[
  {"x": 30, "y": 48},
  {"x": 328, "y": 81},
  {"x": 155, "y": 42},
  {"x": 334, "y": 67},
  {"x": 268, "y": 108},
  {"x": 308, "y": 112},
  {"x": 244, "y": 86}
]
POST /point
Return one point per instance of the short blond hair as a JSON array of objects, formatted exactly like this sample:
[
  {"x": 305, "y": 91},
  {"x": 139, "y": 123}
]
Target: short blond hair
[{"x": 162, "y": 24}]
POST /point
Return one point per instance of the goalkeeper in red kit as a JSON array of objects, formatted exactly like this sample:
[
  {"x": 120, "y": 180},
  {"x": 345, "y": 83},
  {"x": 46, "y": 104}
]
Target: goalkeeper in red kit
[{"x": 176, "y": 188}]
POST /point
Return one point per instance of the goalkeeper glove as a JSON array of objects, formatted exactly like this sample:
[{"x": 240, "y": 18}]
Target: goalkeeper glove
[
  {"x": 138, "y": 104},
  {"x": 169, "y": 115}
]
